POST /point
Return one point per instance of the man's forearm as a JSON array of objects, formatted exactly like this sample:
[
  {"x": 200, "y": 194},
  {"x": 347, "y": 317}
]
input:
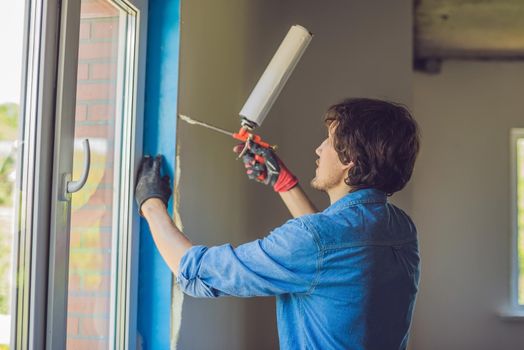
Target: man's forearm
[
  {"x": 297, "y": 202},
  {"x": 170, "y": 241}
]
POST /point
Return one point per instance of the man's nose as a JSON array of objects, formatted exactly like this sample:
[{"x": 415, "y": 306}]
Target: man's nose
[{"x": 320, "y": 147}]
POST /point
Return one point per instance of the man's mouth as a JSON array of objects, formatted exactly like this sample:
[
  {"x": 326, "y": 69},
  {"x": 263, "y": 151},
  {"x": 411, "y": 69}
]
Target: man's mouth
[{"x": 317, "y": 161}]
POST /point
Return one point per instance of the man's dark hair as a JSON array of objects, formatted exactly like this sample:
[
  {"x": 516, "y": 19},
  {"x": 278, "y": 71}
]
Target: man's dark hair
[{"x": 381, "y": 138}]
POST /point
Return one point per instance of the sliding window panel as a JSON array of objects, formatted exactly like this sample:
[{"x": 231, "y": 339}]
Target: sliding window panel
[
  {"x": 12, "y": 174},
  {"x": 39, "y": 167},
  {"x": 93, "y": 267},
  {"x": 101, "y": 246},
  {"x": 34, "y": 162},
  {"x": 520, "y": 217},
  {"x": 517, "y": 220}
]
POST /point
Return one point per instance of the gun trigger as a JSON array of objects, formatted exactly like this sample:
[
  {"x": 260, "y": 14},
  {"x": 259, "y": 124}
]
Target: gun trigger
[{"x": 246, "y": 146}]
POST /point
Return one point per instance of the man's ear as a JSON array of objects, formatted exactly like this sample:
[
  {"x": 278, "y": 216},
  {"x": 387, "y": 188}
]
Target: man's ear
[{"x": 348, "y": 166}]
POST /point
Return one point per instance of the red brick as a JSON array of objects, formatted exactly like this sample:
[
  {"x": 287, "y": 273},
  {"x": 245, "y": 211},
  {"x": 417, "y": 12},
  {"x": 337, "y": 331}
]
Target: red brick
[
  {"x": 99, "y": 71},
  {"x": 89, "y": 260},
  {"x": 101, "y": 112},
  {"x": 89, "y": 51},
  {"x": 87, "y": 305},
  {"x": 73, "y": 282},
  {"x": 89, "y": 218},
  {"x": 83, "y": 71},
  {"x": 97, "y": 8},
  {"x": 105, "y": 29},
  {"x": 72, "y": 325},
  {"x": 85, "y": 30},
  {"x": 96, "y": 240},
  {"x": 107, "y": 220},
  {"x": 74, "y": 241},
  {"x": 97, "y": 282},
  {"x": 85, "y": 217},
  {"x": 92, "y": 327},
  {"x": 102, "y": 196},
  {"x": 96, "y": 91},
  {"x": 87, "y": 344},
  {"x": 102, "y": 131},
  {"x": 81, "y": 112},
  {"x": 108, "y": 173}
]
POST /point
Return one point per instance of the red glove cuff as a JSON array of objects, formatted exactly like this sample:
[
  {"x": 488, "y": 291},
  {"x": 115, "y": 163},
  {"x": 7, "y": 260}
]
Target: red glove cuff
[{"x": 285, "y": 181}]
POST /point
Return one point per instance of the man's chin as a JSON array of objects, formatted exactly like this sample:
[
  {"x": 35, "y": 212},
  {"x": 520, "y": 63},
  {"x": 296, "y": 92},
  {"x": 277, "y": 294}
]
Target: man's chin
[{"x": 317, "y": 185}]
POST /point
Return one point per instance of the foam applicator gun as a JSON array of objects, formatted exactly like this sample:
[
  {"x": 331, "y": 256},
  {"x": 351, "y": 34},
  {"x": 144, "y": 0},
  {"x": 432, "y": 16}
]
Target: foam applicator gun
[
  {"x": 243, "y": 135},
  {"x": 268, "y": 87}
]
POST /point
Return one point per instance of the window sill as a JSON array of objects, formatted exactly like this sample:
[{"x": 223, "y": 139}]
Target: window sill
[{"x": 512, "y": 314}]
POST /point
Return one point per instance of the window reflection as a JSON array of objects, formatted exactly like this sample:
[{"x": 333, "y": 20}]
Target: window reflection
[
  {"x": 520, "y": 215},
  {"x": 93, "y": 229},
  {"x": 11, "y": 38}
]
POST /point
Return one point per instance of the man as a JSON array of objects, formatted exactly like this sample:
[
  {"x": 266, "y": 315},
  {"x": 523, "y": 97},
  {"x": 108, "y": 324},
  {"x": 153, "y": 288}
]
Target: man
[{"x": 344, "y": 278}]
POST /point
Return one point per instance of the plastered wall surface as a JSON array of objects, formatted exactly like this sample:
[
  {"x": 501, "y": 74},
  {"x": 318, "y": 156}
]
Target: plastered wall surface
[
  {"x": 225, "y": 47},
  {"x": 461, "y": 203}
]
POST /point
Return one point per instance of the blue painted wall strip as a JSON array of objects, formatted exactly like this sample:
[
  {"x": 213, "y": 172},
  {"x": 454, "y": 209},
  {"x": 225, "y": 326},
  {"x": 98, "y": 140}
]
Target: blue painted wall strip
[{"x": 155, "y": 278}]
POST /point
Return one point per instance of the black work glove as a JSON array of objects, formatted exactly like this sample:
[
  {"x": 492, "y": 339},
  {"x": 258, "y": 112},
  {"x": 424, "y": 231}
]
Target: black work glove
[{"x": 149, "y": 182}]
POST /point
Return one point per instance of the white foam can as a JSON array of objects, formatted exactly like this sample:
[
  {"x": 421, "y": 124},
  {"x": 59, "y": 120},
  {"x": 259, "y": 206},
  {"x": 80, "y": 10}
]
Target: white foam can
[{"x": 275, "y": 76}]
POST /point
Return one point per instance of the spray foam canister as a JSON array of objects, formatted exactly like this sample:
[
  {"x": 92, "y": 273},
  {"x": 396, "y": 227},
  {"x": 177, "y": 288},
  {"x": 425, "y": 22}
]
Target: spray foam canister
[{"x": 275, "y": 76}]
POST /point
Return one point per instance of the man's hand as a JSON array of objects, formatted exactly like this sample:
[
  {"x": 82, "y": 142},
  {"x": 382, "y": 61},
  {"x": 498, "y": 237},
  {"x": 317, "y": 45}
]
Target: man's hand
[
  {"x": 149, "y": 182},
  {"x": 264, "y": 166}
]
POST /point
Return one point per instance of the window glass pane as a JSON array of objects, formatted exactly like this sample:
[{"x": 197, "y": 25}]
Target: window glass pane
[
  {"x": 94, "y": 216},
  {"x": 11, "y": 39},
  {"x": 520, "y": 217},
  {"x": 8, "y": 135}
]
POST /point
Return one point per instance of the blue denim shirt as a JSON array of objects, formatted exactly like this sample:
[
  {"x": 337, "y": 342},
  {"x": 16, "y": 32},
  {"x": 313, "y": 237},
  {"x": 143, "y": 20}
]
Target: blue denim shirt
[{"x": 344, "y": 278}]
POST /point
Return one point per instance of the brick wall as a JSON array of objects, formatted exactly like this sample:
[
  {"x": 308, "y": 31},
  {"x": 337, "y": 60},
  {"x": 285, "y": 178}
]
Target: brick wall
[{"x": 92, "y": 229}]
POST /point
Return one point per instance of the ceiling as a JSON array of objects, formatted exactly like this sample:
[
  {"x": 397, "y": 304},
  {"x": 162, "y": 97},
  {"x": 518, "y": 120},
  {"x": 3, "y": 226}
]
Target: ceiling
[{"x": 469, "y": 29}]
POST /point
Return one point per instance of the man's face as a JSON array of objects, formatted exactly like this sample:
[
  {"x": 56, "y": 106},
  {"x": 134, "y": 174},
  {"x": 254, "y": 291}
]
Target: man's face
[{"x": 330, "y": 171}]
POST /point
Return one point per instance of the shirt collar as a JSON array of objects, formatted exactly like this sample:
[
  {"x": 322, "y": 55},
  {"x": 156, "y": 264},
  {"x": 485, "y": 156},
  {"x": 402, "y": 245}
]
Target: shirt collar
[{"x": 365, "y": 195}]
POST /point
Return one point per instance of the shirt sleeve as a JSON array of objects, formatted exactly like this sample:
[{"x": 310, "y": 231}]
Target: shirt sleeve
[{"x": 286, "y": 261}]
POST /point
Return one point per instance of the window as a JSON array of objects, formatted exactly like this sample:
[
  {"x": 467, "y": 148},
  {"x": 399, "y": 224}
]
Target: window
[
  {"x": 104, "y": 92},
  {"x": 68, "y": 279},
  {"x": 517, "y": 172},
  {"x": 11, "y": 39}
]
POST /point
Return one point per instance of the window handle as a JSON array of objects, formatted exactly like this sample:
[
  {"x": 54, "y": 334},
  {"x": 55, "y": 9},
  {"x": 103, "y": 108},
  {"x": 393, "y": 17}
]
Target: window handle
[{"x": 74, "y": 186}]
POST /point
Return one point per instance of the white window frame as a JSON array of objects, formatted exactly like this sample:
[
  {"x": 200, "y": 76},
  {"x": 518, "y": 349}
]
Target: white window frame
[
  {"x": 516, "y": 309},
  {"x": 125, "y": 263},
  {"x": 47, "y": 108}
]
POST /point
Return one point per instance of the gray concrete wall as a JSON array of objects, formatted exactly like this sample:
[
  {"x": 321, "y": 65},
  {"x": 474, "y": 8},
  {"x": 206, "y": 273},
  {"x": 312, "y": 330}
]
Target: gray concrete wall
[
  {"x": 461, "y": 205},
  {"x": 360, "y": 48}
]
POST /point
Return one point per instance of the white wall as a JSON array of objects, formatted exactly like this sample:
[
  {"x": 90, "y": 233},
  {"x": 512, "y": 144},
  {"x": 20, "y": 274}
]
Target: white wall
[
  {"x": 461, "y": 204},
  {"x": 360, "y": 48}
]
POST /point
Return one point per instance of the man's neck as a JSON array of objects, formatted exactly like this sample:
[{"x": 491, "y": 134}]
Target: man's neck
[{"x": 338, "y": 192}]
